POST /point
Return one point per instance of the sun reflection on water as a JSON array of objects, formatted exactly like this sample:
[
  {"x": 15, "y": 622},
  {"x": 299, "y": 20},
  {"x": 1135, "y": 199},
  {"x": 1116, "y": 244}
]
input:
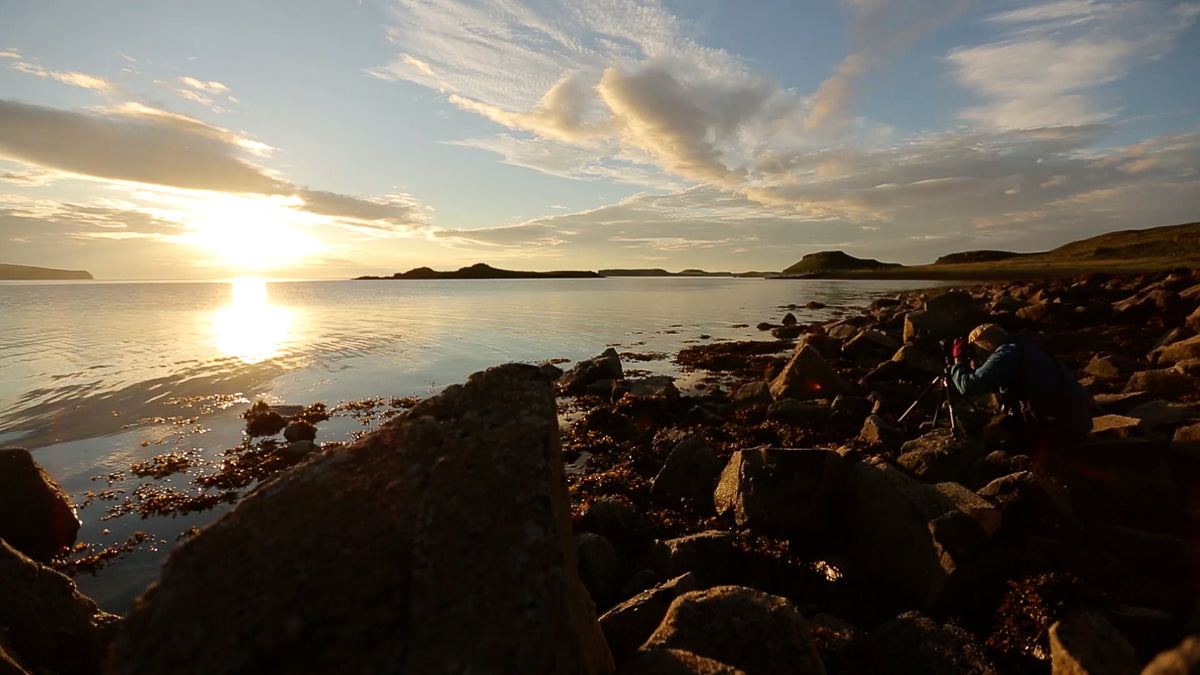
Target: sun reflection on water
[{"x": 250, "y": 328}]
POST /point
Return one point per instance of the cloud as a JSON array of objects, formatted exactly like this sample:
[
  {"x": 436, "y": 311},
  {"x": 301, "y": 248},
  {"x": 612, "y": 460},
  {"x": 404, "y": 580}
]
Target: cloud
[
  {"x": 136, "y": 144},
  {"x": 1048, "y": 68},
  {"x": 75, "y": 79}
]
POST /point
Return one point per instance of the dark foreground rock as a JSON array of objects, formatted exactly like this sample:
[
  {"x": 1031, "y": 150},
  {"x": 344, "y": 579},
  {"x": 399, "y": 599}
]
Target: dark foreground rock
[
  {"x": 46, "y": 624},
  {"x": 440, "y": 543},
  {"x": 36, "y": 515}
]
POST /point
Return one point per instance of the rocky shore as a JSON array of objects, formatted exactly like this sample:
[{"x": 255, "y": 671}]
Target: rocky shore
[{"x": 778, "y": 520}]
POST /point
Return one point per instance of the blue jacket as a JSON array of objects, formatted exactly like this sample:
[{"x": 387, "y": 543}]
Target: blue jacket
[{"x": 1019, "y": 370}]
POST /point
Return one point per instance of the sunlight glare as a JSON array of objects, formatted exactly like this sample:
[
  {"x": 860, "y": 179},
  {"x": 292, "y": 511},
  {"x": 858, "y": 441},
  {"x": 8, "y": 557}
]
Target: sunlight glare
[
  {"x": 253, "y": 232},
  {"x": 250, "y": 328}
]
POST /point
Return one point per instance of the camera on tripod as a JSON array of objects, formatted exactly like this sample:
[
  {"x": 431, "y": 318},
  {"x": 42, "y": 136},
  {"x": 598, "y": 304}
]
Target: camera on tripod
[{"x": 947, "y": 402}]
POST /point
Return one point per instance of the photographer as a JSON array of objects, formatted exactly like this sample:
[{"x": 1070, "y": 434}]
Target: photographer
[{"x": 1048, "y": 401}]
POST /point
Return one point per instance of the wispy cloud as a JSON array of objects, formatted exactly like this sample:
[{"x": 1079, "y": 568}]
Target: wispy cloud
[
  {"x": 1048, "y": 68},
  {"x": 99, "y": 85}
]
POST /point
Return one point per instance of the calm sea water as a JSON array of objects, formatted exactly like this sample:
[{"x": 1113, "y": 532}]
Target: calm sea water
[{"x": 95, "y": 376}]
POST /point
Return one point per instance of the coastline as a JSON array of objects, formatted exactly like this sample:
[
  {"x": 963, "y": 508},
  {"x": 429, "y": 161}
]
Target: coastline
[{"x": 626, "y": 434}]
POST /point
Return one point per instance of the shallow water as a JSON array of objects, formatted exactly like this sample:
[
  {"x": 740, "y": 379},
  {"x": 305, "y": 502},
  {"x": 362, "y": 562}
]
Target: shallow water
[{"x": 95, "y": 376}]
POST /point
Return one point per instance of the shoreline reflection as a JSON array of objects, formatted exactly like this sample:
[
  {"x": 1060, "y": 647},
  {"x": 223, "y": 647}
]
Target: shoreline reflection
[{"x": 250, "y": 328}]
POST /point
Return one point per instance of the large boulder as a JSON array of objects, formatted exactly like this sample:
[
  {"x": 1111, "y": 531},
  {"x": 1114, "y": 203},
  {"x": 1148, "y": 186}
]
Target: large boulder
[
  {"x": 1193, "y": 320},
  {"x": 659, "y": 661},
  {"x": 1182, "y": 660},
  {"x": 586, "y": 375},
  {"x": 1087, "y": 644},
  {"x": 913, "y": 643},
  {"x": 785, "y": 492},
  {"x": 627, "y": 625},
  {"x": 948, "y": 315},
  {"x": 1180, "y": 351},
  {"x": 36, "y": 515},
  {"x": 806, "y": 376},
  {"x": 440, "y": 543},
  {"x": 48, "y": 625},
  {"x": 756, "y": 632},
  {"x": 708, "y": 555},
  {"x": 937, "y": 456},
  {"x": 690, "y": 472},
  {"x": 1110, "y": 367},
  {"x": 905, "y": 536},
  {"x": 1166, "y": 382}
]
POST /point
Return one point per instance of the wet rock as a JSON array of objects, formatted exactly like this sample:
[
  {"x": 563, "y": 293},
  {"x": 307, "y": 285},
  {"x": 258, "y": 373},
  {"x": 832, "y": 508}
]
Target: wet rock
[
  {"x": 36, "y": 515},
  {"x": 708, "y": 555},
  {"x": 690, "y": 472},
  {"x": 599, "y": 568},
  {"x": 843, "y": 329},
  {"x": 659, "y": 661},
  {"x": 300, "y": 431},
  {"x": 1166, "y": 382},
  {"x": 592, "y": 374},
  {"x": 878, "y": 432},
  {"x": 786, "y": 332},
  {"x": 1180, "y": 351},
  {"x": 811, "y": 414},
  {"x": 914, "y": 643},
  {"x": 807, "y": 376},
  {"x": 753, "y": 394},
  {"x": 1087, "y": 644},
  {"x": 789, "y": 319},
  {"x": 750, "y": 630},
  {"x": 48, "y": 625},
  {"x": 441, "y": 542},
  {"x": 785, "y": 492},
  {"x": 936, "y": 457},
  {"x": 655, "y": 386},
  {"x": 1182, "y": 660},
  {"x": 301, "y": 448},
  {"x": 848, "y": 412},
  {"x": 627, "y": 625}
]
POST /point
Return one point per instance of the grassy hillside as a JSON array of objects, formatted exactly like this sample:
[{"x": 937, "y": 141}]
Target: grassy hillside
[
  {"x": 26, "y": 272},
  {"x": 1151, "y": 249},
  {"x": 836, "y": 261}
]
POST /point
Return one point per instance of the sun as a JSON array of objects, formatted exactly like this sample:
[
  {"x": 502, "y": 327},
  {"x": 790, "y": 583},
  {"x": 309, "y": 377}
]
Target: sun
[{"x": 253, "y": 233}]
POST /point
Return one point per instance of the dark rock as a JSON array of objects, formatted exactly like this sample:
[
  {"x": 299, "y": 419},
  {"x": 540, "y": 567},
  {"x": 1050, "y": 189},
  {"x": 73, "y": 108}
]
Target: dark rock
[
  {"x": 753, "y": 394},
  {"x": 913, "y": 643},
  {"x": 843, "y": 329},
  {"x": 550, "y": 371},
  {"x": 1187, "y": 434},
  {"x": 1125, "y": 482},
  {"x": 300, "y": 431},
  {"x": 985, "y": 515},
  {"x": 826, "y": 345},
  {"x": 870, "y": 344},
  {"x": 48, "y": 625},
  {"x": 948, "y": 315},
  {"x": 1193, "y": 320},
  {"x": 599, "y": 568},
  {"x": 690, "y": 472},
  {"x": 789, "y": 319},
  {"x": 806, "y": 376},
  {"x": 627, "y": 625},
  {"x": 1180, "y": 351},
  {"x": 655, "y": 386},
  {"x": 936, "y": 457},
  {"x": 441, "y": 542},
  {"x": 619, "y": 522},
  {"x": 591, "y": 373},
  {"x": 811, "y": 414},
  {"x": 1166, "y": 382},
  {"x": 301, "y": 448},
  {"x": 261, "y": 420},
  {"x": 1087, "y": 644},
  {"x": 1182, "y": 660},
  {"x": 786, "y": 492},
  {"x": 659, "y": 661},
  {"x": 1160, "y": 415},
  {"x": 877, "y": 431},
  {"x": 36, "y": 515},
  {"x": 848, "y": 412},
  {"x": 708, "y": 555},
  {"x": 918, "y": 362},
  {"x": 1109, "y": 367},
  {"x": 1118, "y": 404},
  {"x": 786, "y": 332},
  {"x": 996, "y": 464},
  {"x": 747, "y": 629},
  {"x": 837, "y": 642}
]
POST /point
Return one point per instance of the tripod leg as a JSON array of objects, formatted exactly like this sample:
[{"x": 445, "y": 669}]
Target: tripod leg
[{"x": 920, "y": 396}]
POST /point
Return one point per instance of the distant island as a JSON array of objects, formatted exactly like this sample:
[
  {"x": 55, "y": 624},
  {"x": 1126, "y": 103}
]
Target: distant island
[
  {"x": 28, "y": 273},
  {"x": 485, "y": 271},
  {"x": 659, "y": 272}
]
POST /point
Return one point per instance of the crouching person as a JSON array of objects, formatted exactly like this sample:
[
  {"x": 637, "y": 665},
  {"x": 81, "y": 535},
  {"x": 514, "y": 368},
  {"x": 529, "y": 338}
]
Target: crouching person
[{"x": 1036, "y": 387}]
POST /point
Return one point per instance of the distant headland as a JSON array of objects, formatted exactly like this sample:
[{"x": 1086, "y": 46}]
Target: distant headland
[
  {"x": 28, "y": 273},
  {"x": 485, "y": 271},
  {"x": 1125, "y": 251}
]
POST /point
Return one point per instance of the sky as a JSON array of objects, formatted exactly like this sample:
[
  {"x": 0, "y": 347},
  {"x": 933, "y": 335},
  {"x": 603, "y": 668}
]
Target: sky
[{"x": 326, "y": 139}]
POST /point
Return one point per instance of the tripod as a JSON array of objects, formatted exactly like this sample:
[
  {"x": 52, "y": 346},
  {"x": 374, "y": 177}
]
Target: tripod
[{"x": 947, "y": 402}]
